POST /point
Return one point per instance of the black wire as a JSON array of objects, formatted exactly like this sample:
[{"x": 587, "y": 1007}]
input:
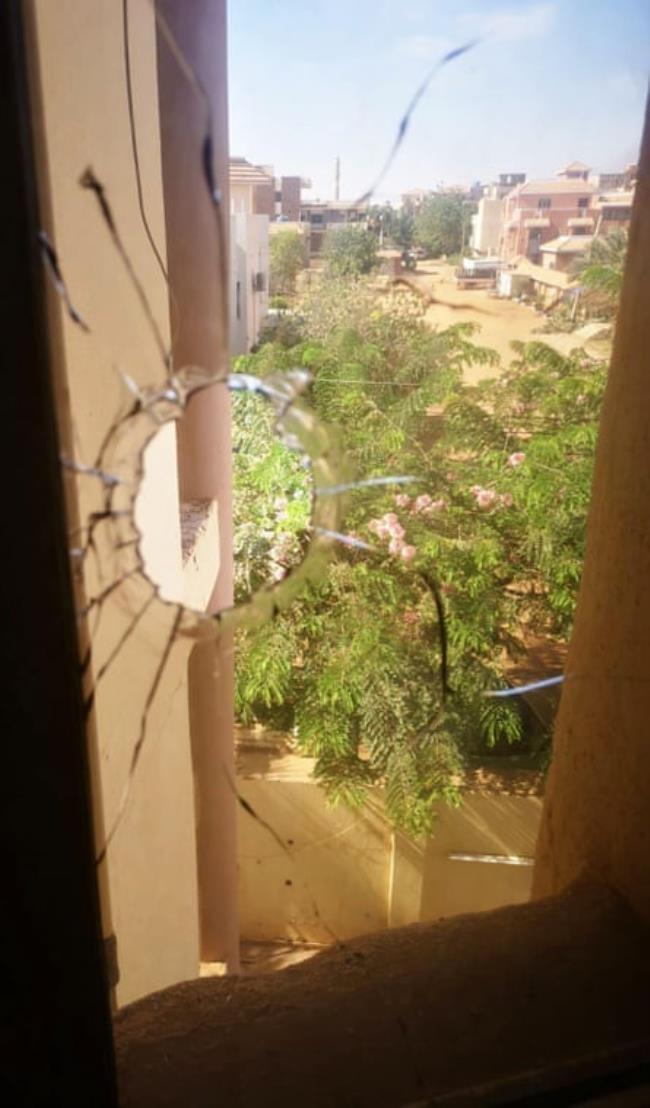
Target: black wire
[
  {"x": 434, "y": 589},
  {"x": 134, "y": 141}
]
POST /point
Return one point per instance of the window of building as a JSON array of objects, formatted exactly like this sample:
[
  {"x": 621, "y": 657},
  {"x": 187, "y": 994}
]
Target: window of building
[
  {"x": 544, "y": 202},
  {"x": 583, "y": 201},
  {"x": 616, "y": 213},
  {"x": 238, "y": 300}
]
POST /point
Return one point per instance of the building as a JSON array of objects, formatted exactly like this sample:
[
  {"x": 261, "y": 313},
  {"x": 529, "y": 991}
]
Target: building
[
  {"x": 612, "y": 210},
  {"x": 621, "y": 179},
  {"x": 252, "y": 192},
  {"x": 249, "y": 279},
  {"x": 323, "y": 215},
  {"x": 252, "y": 188},
  {"x": 538, "y": 211},
  {"x": 288, "y": 197},
  {"x": 562, "y": 252},
  {"x": 255, "y": 188},
  {"x": 487, "y": 222}
]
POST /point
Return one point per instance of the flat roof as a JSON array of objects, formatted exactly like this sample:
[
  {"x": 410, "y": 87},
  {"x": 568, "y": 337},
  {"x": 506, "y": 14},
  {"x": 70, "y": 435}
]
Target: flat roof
[
  {"x": 568, "y": 244},
  {"x": 242, "y": 172},
  {"x": 544, "y": 186}
]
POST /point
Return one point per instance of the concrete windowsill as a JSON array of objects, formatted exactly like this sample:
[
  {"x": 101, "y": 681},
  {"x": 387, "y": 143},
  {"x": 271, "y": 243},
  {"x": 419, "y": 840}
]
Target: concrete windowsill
[{"x": 402, "y": 1016}]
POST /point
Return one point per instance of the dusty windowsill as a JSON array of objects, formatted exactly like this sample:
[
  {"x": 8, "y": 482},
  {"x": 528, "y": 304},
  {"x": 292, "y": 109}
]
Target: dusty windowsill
[{"x": 400, "y": 1016}]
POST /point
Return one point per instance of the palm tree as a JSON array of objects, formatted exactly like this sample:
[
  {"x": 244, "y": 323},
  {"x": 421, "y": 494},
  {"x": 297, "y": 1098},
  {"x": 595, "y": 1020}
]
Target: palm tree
[{"x": 601, "y": 269}]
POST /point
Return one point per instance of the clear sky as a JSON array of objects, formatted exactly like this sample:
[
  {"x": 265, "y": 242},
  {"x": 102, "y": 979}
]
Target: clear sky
[{"x": 550, "y": 81}]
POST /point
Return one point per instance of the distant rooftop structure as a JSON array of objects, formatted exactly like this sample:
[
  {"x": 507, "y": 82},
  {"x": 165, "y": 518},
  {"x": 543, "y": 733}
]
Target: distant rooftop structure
[
  {"x": 574, "y": 168},
  {"x": 510, "y": 180},
  {"x": 241, "y": 172}
]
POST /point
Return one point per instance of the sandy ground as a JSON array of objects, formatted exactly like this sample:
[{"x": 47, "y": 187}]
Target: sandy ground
[{"x": 500, "y": 321}]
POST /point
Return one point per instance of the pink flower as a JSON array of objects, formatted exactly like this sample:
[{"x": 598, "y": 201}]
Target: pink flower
[
  {"x": 411, "y": 618},
  {"x": 438, "y": 505},
  {"x": 395, "y": 546},
  {"x": 516, "y": 459},
  {"x": 390, "y": 517},
  {"x": 422, "y": 502},
  {"x": 475, "y": 490},
  {"x": 383, "y": 531},
  {"x": 374, "y": 526},
  {"x": 402, "y": 500},
  {"x": 396, "y": 531},
  {"x": 486, "y": 499},
  {"x": 506, "y": 500},
  {"x": 407, "y": 553}
]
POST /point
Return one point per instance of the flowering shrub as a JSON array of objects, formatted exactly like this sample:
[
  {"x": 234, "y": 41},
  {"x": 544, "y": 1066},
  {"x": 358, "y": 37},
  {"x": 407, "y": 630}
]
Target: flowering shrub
[{"x": 495, "y": 514}]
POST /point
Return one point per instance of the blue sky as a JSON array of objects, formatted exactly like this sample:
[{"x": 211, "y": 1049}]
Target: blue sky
[{"x": 549, "y": 82}]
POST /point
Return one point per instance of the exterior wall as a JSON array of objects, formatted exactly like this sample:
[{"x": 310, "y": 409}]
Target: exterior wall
[
  {"x": 519, "y": 207},
  {"x": 487, "y": 226},
  {"x": 150, "y": 870},
  {"x": 241, "y": 198},
  {"x": 482, "y": 825},
  {"x": 249, "y": 256},
  {"x": 264, "y": 199},
  {"x": 238, "y": 285},
  {"x": 345, "y": 872},
  {"x": 561, "y": 263},
  {"x": 290, "y": 198}
]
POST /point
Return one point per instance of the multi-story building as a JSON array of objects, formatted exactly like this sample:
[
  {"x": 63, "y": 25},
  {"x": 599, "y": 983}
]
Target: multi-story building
[
  {"x": 252, "y": 188},
  {"x": 536, "y": 212},
  {"x": 621, "y": 179},
  {"x": 251, "y": 197},
  {"x": 255, "y": 188},
  {"x": 485, "y": 235},
  {"x": 612, "y": 210},
  {"x": 324, "y": 215}
]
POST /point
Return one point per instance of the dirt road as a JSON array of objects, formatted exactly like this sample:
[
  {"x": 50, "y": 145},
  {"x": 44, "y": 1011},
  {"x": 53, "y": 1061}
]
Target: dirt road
[{"x": 500, "y": 321}]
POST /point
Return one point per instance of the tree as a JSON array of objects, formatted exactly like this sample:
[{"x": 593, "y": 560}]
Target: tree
[
  {"x": 396, "y": 225},
  {"x": 440, "y": 224},
  {"x": 601, "y": 270},
  {"x": 287, "y": 250},
  {"x": 495, "y": 515},
  {"x": 350, "y": 251}
]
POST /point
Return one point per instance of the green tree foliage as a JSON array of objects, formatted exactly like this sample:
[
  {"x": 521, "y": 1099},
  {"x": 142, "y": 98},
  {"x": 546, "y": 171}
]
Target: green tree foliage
[
  {"x": 496, "y": 514},
  {"x": 350, "y": 251},
  {"x": 287, "y": 254},
  {"x": 395, "y": 225},
  {"x": 601, "y": 270},
  {"x": 440, "y": 224}
]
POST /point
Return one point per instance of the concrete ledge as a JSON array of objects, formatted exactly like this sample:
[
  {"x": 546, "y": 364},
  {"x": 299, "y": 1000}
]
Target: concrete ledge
[{"x": 399, "y": 1016}]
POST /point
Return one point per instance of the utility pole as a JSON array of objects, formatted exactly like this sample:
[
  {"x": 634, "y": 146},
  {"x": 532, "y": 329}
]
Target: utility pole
[{"x": 337, "y": 178}]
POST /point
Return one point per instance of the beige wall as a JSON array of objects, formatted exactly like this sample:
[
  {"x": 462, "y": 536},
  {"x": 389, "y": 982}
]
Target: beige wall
[
  {"x": 249, "y": 255},
  {"x": 151, "y": 865},
  {"x": 344, "y": 873}
]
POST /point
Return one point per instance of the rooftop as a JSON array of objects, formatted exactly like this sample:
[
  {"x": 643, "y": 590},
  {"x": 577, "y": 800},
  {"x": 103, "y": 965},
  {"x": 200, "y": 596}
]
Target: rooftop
[
  {"x": 241, "y": 172},
  {"x": 568, "y": 244},
  {"x": 576, "y": 167},
  {"x": 549, "y": 185},
  {"x": 553, "y": 277}
]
